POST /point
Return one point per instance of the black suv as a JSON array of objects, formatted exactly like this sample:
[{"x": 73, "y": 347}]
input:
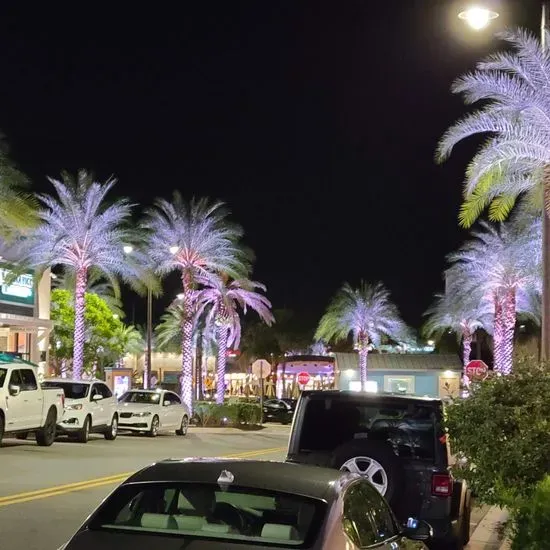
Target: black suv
[{"x": 398, "y": 443}]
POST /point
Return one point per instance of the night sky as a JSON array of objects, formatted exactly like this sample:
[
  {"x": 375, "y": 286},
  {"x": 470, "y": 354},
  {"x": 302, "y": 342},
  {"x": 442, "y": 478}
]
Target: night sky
[{"x": 315, "y": 121}]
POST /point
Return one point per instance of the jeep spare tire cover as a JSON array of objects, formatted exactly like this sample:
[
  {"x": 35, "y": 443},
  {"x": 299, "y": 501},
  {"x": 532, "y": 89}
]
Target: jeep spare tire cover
[{"x": 374, "y": 460}]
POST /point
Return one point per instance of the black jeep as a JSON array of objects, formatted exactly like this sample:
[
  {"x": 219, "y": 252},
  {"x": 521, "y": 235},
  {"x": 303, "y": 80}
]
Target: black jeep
[{"x": 398, "y": 443}]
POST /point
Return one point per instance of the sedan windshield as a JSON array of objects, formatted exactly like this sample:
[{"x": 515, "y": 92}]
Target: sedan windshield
[
  {"x": 70, "y": 389},
  {"x": 206, "y": 511},
  {"x": 146, "y": 397}
]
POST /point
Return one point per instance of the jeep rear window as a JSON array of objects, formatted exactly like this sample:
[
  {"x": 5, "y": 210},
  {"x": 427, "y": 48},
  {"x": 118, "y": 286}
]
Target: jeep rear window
[{"x": 409, "y": 428}]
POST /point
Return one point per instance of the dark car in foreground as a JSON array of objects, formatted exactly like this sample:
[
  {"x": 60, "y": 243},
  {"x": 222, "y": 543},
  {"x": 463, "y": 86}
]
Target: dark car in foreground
[
  {"x": 396, "y": 442},
  {"x": 195, "y": 504}
]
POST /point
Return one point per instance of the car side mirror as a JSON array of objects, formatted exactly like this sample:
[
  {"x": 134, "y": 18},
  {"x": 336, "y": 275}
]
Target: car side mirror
[
  {"x": 167, "y": 403},
  {"x": 97, "y": 397},
  {"x": 14, "y": 390},
  {"x": 417, "y": 529}
]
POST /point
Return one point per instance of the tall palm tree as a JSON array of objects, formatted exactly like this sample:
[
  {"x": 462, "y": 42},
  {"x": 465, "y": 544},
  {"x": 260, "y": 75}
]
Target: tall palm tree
[
  {"x": 516, "y": 101},
  {"x": 502, "y": 266},
  {"x": 221, "y": 300},
  {"x": 79, "y": 231},
  {"x": 367, "y": 314},
  {"x": 196, "y": 239},
  {"x": 455, "y": 311}
]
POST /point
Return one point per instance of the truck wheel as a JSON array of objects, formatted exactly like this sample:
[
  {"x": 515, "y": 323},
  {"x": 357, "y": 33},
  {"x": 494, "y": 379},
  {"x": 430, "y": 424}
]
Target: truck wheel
[
  {"x": 154, "y": 429},
  {"x": 22, "y": 435},
  {"x": 84, "y": 433},
  {"x": 375, "y": 461},
  {"x": 112, "y": 430},
  {"x": 45, "y": 436}
]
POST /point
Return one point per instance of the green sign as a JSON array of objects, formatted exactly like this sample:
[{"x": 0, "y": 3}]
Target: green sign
[{"x": 18, "y": 291}]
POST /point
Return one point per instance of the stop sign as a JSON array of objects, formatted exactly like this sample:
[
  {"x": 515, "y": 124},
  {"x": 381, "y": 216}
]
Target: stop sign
[
  {"x": 303, "y": 378},
  {"x": 476, "y": 370}
]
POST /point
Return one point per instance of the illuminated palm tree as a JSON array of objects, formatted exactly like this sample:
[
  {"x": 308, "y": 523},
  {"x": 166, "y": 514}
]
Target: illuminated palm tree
[
  {"x": 222, "y": 300},
  {"x": 457, "y": 312},
  {"x": 367, "y": 314},
  {"x": 502, "y": 266},
  {"x": 195, "y": 239},
  {"x": 513, "y": 160},
  {"x": 78, "y": 231}
]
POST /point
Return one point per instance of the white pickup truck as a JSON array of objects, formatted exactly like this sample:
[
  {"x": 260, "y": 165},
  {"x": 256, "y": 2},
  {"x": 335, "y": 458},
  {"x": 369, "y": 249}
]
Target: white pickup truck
[{"x": 24, "y": 405}]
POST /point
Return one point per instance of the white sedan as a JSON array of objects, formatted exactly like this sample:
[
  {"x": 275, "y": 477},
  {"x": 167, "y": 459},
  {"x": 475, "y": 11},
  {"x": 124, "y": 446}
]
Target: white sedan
[{"x": 152, "y": 411}]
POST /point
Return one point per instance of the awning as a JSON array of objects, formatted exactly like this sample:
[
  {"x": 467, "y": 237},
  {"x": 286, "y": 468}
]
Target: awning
[{"x": 25, "y": 324}]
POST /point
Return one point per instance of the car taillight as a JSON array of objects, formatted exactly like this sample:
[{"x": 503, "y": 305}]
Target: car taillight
[{"x": 442, "y": 485}]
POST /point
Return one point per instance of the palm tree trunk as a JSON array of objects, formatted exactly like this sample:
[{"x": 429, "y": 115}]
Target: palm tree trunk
[
  {"x": 363, "y": 354},
  {"x": 221, "y": 338},
  {"x": 186, "y": 384},
  {"x": 79, "y": 323},
  {"x": 509, "y": 327},
  {"x": 198, "y": 367},
  {"x": 498, "y": 335},
  {"x": 466, "y": 348}
]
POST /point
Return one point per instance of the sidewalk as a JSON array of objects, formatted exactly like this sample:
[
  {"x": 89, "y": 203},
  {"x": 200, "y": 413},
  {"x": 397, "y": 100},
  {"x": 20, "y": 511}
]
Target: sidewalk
[{"x": 485, "y": 535}]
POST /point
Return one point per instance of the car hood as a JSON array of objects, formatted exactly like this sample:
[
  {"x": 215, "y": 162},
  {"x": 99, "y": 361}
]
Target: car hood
[
  {"x": 82, "y": 401},
  {"x": 136, "y": 407}
]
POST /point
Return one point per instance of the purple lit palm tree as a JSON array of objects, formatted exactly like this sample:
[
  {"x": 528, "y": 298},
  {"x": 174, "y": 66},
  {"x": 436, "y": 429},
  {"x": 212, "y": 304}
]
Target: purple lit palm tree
[
  {"x": 197, "y": 240},
  {"x": 502, "y": 266},
  {"x": 79, "y": 232},
  {"x": 365, "y": 312},
  {"x": 221, "y": 300}
]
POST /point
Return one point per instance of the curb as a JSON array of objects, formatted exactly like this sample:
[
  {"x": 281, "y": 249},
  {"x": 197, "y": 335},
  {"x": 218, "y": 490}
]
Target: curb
[
  {"x": 234, "y": 431},
  {"x": 485, "y": 535}
]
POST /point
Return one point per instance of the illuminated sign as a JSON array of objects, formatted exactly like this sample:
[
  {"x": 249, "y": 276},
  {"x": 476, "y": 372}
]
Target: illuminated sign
[{"x": 20, "y": 290}]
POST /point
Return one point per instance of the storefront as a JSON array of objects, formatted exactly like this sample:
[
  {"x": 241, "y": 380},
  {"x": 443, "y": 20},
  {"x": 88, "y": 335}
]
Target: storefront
[
  {"x": 305, "y": 372},
  {"x": 25, "y": 324}
]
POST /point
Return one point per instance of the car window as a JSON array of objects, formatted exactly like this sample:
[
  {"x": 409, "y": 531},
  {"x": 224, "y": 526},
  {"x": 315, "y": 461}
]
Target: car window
[
  {"x": 104, "y": 390},
  {"x": 409, "y": 427},
  {"x": 205, "y": 511},
  {"x": 385, "y": 526},
  {"x": 94, "y": 391},
  {"x": 15, "y": 378},
  {"x": 357, "y": 517},
  {"x": 3, "y": 373},
  {"x": 144, "y": 397},
  {"x": 71, "y": 390},
  {"x": 28, "y": 380},
  {"x": 174, "y": 399}
]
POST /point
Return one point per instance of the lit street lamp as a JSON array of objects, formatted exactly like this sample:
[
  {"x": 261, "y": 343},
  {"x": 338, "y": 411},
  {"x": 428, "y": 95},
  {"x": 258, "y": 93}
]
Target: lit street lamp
[{"x": 478, "y": 18}]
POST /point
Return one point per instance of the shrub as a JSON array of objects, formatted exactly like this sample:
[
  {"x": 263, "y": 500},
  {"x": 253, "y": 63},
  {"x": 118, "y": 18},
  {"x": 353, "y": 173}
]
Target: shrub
[
  {"x": 502, "y": 430},
  {"x": 208, "y": 413},
  {"x": 245, "y": 413},
  {"x": 531, "y": 520}
]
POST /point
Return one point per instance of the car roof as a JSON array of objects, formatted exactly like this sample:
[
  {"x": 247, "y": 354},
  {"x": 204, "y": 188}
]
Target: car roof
[
  {"x": 159, "y": 390},
  {"x": 383, "y": 397},
  {"x": 312, "y": 481},
  {"x": 72, "y": 381}
]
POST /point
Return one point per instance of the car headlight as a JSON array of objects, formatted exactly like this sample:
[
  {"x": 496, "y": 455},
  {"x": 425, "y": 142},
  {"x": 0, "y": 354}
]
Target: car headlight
[
  {"x": 73, "y": 407},
  {"x": 141, "y": 415}
]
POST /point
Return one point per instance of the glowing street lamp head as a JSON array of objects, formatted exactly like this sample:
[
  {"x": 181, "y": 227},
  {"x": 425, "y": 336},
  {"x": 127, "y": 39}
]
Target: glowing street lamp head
[
  {"x": 128, "y": 249},
  {"x": 478, "y": 18},
  {"x": 180, "y": 296},
  {"x": 174, "y": 249}
]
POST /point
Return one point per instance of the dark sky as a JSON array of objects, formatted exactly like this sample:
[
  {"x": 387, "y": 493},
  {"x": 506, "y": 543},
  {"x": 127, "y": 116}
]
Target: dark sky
[{"x": 315, "y": 121}]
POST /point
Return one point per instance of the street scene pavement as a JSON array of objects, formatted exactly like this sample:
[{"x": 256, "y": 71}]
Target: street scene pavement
[{"x": 46, "y": 493}]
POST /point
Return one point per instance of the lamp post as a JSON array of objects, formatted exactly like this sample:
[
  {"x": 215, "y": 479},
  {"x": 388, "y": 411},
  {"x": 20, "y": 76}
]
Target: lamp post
[
  {"x": 149, "y": 329},
  {"x": 479, "y": 18}
]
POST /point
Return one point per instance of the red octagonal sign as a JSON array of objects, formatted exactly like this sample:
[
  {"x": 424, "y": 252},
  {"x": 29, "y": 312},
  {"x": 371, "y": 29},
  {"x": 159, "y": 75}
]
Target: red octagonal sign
[
  {"x": 303, "y": 378},
  {"x": 476, "y": 370}
]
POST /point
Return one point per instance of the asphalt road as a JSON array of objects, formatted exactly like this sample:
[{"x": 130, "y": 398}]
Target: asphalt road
[{"x": 46, "y": 493}]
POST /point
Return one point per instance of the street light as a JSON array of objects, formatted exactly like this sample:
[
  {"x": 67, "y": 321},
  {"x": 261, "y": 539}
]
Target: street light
[
  {"x": 174, "y": 249},
  {"x": 478, "y": 18},
  {"x": 128, "y": 249}
]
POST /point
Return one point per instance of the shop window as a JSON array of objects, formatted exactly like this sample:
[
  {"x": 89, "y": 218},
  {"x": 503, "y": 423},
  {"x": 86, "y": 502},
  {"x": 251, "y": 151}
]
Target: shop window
[{"x": 399, "y": 384}]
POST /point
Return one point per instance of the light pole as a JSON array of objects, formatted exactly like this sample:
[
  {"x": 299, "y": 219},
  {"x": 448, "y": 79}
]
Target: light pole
[
  {"x": 478, "y": 18},
  {"x": 149, "y": 329}
]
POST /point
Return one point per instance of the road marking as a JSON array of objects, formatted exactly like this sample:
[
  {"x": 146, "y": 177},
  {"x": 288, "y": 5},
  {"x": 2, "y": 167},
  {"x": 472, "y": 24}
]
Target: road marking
[{"x": 109, "y": 480}]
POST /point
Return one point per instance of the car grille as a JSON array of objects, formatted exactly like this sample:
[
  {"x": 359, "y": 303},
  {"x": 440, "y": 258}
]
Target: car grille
[{"x": 125, "y": 415}]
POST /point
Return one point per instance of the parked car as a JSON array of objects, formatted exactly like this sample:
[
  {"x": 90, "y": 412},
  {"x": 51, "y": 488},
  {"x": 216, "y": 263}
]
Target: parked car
[
  {"x": 153, "y": 411},
  {"x": 236, "y": 504},
  {"x": 26, "y": 407},
  {"x": 90, "y": 407},
  {"x": 396, "y": 442},
  {"x": 278, "y": 410}
]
